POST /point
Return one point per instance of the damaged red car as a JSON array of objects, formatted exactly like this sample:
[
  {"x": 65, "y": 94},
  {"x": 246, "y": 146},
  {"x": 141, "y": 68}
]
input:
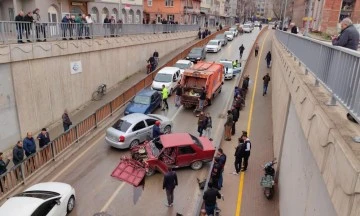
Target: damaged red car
[{"x": 169, "y": 150}]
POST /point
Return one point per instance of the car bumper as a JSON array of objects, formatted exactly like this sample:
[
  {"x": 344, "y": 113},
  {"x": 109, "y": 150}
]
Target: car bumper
[
  {"x": 116, "y": 144},
  {"x": 228, "y": 76},
  {"x": 212, "y": 50}
]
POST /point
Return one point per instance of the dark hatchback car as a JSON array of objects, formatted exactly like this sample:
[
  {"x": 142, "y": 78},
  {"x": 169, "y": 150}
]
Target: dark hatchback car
[
  {"x": 197, "y": 54},
  {"x": 222, "y": 38}
]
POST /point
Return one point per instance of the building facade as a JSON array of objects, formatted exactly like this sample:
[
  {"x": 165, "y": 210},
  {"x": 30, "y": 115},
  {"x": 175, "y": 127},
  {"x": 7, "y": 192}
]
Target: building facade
[{"x": 129, "y": 11}]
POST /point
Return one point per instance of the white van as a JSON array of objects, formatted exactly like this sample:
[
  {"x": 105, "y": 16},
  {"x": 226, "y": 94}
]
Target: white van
[{"x": 168, "y": 76}]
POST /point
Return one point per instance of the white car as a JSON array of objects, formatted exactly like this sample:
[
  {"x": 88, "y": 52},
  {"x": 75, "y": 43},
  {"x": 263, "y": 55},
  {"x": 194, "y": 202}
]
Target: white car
[
  {"x": 229, "y": 35},
  {"x": 247, "y": 28},
  {"x": 235, "y": 31},
  {"x": 183, "y": 64},
  {"x": 229, "y": 70},
  {"x": 213, "y": 46},
  {"x": 48, "y": 198},
  {"x": 256, "y": 23},
  {"x": 168, "y": 76}
]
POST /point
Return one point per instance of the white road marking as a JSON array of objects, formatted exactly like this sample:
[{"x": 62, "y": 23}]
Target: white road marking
[
  {"x": 106, "y": 206},
  {"x": 177, "y": 112}
]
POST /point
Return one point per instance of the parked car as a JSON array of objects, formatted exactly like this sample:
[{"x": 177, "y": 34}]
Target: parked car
[
  {"x": 135, "y": 128},
  {"x": 234, "y": 30},
  {"x": 229, "y": 35},
  {"x": 146, "y": 101},
  {"x": 183, "y": 64},
  {"x": 48, "y": 198},
  {"x": 256, "y": 23},
  {"x": 222, "y": 38},
  {"x": 168, "y": 76},
  {"x": 229, "y": 70},
  {"x": 196, "y": 54},
  {"x": 170, "y": 150},
  {"x": 213, "y": 46},
  {"x": 247, "y": 28}
]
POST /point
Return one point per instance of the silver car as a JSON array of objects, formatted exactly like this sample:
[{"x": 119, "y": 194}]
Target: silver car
[{"x": 134, "y": 129}]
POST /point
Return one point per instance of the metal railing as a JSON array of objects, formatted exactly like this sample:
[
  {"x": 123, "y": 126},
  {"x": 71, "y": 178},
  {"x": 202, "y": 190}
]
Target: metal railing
[
  {"x": 18, "y": 175},
  {"x": 336, "y": 68},
  {"x": 13, "y": 32}
]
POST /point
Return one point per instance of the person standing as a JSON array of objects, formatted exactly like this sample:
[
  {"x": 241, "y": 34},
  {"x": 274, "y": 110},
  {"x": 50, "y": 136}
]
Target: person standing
[
  {"x": 239, "y": 154},
  {"x": 247, "y": 149},
  {"x": 156, "y": 57},
  {"x": 245, "y": 84},
  {"x": 268, "y": 59},
  {"x": 349, "y": 36},
  {"x": 208, "y": 126},
  {"x": 106, "y": 25},
  {"x": 43, "y": 138},
  {"x": 28, "y": 25},
  {"x": 29, "y": 145},
  {"x": 216, "y": 172},
  {"x": 65, "y": 25},
  {"x": 228, "y": 125},
  {"x": 235, "y": 115},
  {"x": 156, "y": 130},
  {"x": 222, "y": 161},
  {"x": 20, "y": 26},
  {"x": 241, "y": 49},
  {"x": 256, "y": 49},
  {"x": 209, "y": 198},
  {"x": 38, "y": 25},
  {"x": 112, "y": 26},
  {"x": 201, "y": 122},
  {"x": 79, "y": 26},
  {"x": 169, "y": 184},
  {"x": 66, "y": 120},
  {"x": 18, "y": 153},
  {"x": 294, "y": 28},
  {"x": 89, "y": 26},
  {"x": 202, "y": 99},
  {"x": 3, "y": 164},
  {"x": 266, "y": 79},
  {"x": 165, "y": 95},
  {"x": 178, "y": 94}
]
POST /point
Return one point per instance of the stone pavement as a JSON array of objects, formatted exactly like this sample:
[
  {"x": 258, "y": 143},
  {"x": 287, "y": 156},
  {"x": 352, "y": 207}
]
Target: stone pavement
[{"x": 252, "y": 202}]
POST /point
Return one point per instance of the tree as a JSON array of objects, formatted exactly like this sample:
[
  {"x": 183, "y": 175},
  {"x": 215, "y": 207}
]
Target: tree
[{"x": 277, "y": 6}]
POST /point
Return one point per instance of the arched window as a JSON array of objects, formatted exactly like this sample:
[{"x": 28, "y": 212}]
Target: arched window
[
  {"x": 115, "y": 13},
  {"x": 138, "y": 17},
  {"x": 104, "y": 13},
  {"x": 124, "y": 16},
  {"x": 131, "y": 16},
  {"x": 94, "y": 14},
  {"x": 52, "y": 14}
]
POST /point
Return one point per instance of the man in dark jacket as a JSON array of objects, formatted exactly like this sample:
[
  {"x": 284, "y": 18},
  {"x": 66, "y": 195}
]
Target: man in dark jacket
[
  {"x": 294, "y": 29},
  {"x": 29, "y": 145},
  {"x": 266, "y": 79},
  {"x": 20, "y": 26},
  {"x": 3, "y": 164},
  {"x": 245, "y": 84},
  {"x": 178, "y": 94},
  {"x": 28, "y": 25},
  {"x": 209, "y": 197},
  {"x": 228, "y": 125},
  {"x": 239, "y": 154},
  {"x": 65, "y": 25},
  {"x": 235, "y": 115},
  {"x": 169, "y": 183},
  {"x": 201, "y": 123},
  {"x": 246, "y": 150},
  {"x": 202, "y": 99},
  {"x": 222, "y": 161},
  {"x": 216, "y": 172},
  {"x": 241, "y": 49},
  {"x": 349, "y": 36},
  {"x": 66, "y": 121},
  {"x": 156, "y": 130},
  {"x": 43, "y": 138},
  {"x": 18, "y": 153},
  {"x": 268, "y": 59}
]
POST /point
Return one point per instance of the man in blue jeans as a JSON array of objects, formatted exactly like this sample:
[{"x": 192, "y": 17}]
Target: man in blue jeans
[
  {"x": 209, "y": 197},
  {"x": 222, "y": 161},
  {"x": 266, "y": 79}
]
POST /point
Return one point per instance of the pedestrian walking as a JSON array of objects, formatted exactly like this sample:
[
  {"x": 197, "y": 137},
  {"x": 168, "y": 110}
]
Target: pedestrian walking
[
  {"x": 216, "y": 172},
  {"x": 209, "y": 198},
  {"x": 165, "y": 95},
  {"x": 199, "y": 34},
  {"x": 228, "y": 125},
  {"x": 208, "y": 126},
  {"x": 201, "y": 123},
  {"x": 222, "y": 160},
  {"x": 241, "y": 49},
  {"x": 266, "y": 79},
  {"x": 239, "y": 155},
  {"x": 235, "y": 113},
  {"x": 156, "y": 130},
  {"x": 66, "y": 120},
  {"x": 268, "y": 59},
  {"x": 20, "y": 26},
  {"x": 18, "y": 153},
  {"x": 245, "y": 84},
  {"x": 247, "y": 149},
  {"x": 29, "y": 144},
  {"x": 256, "y": 49},
  {"x": 43, "y": 138},
  {"x": 202, "y": 99},
  {"x": 28, "y": 25},
  {"x": 169, "y": 184},
  {"x": 39, "y": 27},
  {"x": 178, "y": 94},
  {"x": 349, "y": 36}
]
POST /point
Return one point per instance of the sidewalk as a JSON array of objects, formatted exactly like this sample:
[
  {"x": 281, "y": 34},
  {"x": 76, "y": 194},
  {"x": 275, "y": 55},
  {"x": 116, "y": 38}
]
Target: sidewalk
[{"x": 251, "y": 201}]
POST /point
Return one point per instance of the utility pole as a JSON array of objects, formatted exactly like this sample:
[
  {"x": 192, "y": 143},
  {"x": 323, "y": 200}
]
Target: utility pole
[
  {"x": 307, "y": 25},
  {"x": 283, "y": 23}
]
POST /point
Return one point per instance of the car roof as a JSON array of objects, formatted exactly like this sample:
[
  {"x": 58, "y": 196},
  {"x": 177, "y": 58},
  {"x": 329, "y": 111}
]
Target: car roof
[
  {"x": 197, "y": 48},
  {"x": 182, "y": 61},
  {"x": 168, "y": 70},
  {"x": 147, "y": 92},
  {"x": 176, "y": 139},
  {"x": 134, "y": 117},
  {"x": 20, "y": 206},
  {"x": 214, "y": 40}
]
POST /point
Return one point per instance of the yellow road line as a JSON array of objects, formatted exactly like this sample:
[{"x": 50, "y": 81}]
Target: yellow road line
[{"x": 242, "y": 175}]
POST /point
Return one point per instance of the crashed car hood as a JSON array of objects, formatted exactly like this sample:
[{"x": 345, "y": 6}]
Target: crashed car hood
[{"x": 130, "y": 171}]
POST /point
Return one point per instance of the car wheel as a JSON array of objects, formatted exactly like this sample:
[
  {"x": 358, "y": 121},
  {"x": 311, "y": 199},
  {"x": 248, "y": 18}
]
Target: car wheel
[
  {"x": 167, "y": 129},
  {"x": 196, "y": 165},
  {"x": 134, "y": 143},
  {"x": 71, "y": 204},
  {"x": 150, "y": 172}
]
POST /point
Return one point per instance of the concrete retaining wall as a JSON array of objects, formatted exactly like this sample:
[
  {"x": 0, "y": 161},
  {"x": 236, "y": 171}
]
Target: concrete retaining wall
[
  {"x": 44, "y": 85},
  {"x": 318, "y": 160}
]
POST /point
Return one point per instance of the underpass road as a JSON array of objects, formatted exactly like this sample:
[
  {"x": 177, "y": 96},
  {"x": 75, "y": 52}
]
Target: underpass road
[{"x": 88, "y": 171}]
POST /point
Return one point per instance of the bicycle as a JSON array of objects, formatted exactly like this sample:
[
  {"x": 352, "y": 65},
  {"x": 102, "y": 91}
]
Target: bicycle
[{"x": 99, "y": 93}]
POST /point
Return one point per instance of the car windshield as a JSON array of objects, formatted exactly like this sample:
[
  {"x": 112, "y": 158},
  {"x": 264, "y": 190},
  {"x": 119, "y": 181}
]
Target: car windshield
[
  {"x": 213, "y": 43},
  {"x": 121, "y": 125},
  {"x": 196, "y": 51},
  {"x": 228, "y": 33},
  {"x": 156, "y": 147},
  {"x": 38, "y": 194},
  {"x": 232, "y": 29},
  {"x": 227, "y": 64},
  {"x": 247, "y": 26},
  {"x": 197, "y": 141},
  {"x": 181, "y": 65},
  {"x": 219, "y": 36},
  {"x": 160, "y": 77},
  {"x": 140, "y": 99}
]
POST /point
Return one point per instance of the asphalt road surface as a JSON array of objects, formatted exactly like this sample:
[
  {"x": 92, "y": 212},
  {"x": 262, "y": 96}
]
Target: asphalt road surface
[{"x": 89, "y": 170}]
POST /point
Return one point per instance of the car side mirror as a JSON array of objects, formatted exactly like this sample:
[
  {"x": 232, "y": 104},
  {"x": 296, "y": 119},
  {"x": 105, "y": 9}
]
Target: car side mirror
[{"x": 58, "y": 201}]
